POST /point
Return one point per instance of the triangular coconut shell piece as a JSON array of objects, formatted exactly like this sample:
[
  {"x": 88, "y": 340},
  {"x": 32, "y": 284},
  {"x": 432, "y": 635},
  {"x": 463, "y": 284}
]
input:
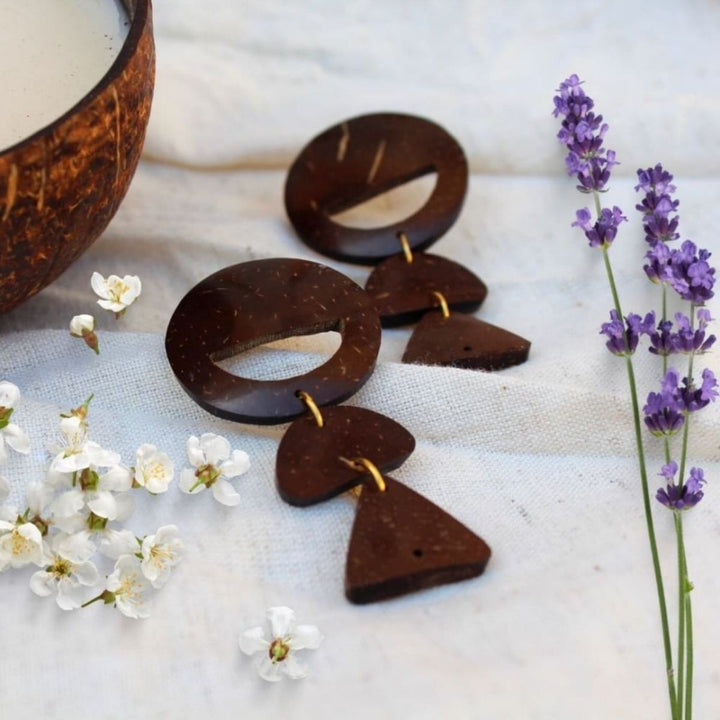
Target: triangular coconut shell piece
[
  {"x": 464, "y": 341},
  {"x": 402, "y": 542}
]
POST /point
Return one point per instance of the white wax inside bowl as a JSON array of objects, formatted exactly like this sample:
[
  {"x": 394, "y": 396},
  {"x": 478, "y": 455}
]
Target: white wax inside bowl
[{"x": 52, "y": 53}]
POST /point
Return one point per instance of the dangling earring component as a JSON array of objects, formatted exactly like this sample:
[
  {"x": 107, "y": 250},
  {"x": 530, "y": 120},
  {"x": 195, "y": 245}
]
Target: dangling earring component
[
  {"x": 402, "y": 544},
  {"x": 368, "y": 155},
  {"x": 445, "y": 338}
]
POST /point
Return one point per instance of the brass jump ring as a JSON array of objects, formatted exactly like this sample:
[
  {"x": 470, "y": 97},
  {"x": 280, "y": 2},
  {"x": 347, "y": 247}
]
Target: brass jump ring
[
  {"x": 405, "y": 246},
  {"x": 442, "y": 302},
  {"x": 311, "y": 406},
  {"x": 362, "y": 464}
]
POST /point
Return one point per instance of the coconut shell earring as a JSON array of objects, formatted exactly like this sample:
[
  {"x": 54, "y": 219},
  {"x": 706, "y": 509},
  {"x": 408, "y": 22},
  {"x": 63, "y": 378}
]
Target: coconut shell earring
[
  {"x": 366, "y": 156},
  {"x": 401, "y": 541}
]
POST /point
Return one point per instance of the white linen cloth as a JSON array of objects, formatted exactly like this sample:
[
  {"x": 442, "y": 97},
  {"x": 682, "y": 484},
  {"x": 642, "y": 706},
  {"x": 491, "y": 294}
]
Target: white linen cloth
[{"x": 538, "y": 459}]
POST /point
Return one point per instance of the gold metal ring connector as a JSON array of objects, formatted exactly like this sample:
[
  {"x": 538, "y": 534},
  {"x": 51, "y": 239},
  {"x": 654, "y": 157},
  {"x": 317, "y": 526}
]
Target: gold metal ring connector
[
  {"x": 442, "y": 302},
  {"x": 311, "y": 406},
  {"x": 363, "y": 465},
  {"x": 405, "y": 246}
]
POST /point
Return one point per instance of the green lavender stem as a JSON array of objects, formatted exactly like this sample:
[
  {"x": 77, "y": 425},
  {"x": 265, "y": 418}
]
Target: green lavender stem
[{"x": 646, "y": 496}]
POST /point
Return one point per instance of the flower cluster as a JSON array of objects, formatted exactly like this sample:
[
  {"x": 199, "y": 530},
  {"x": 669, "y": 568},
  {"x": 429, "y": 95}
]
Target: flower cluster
[
  {"x": 582, "y": 132},
  {"x": 685, "y": 269},
  {"x": 76, "y": 513},
  {"x": 116, "y": 295}
]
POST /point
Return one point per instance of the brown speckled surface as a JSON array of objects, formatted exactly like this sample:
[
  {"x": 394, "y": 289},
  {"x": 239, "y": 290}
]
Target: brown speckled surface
[
  {"x": 365, "y": 156},
  {"x": 60, "y": 187},
  {"x": 253, "y": 303},
  {"x": 308, "y": 469},
  {"x": 402, "y": 291},
  {"x": 464, "y": 341},
  {"x": 402, "y": 542}
]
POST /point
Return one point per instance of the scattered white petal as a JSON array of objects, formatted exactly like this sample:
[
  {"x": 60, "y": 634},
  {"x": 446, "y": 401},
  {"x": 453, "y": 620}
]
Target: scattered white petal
[{"x": 9, "y": 394}]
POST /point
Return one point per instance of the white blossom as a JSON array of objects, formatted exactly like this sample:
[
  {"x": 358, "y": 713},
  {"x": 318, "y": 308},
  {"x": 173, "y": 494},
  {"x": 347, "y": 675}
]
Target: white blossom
[
  {"x": 10, "y": 433},
  {"x": 116, "y": 293},
  {"x": 83, "y": 326},
  {"x": 161, "y": 552},
  {"x": 129, "y": 587},
  {"x": 78, "y": 452},
  {"x": 102, "y": 494},
  {"x": 153, "y": 469},
  {"x": 214, "y": 464},
  {"x": 277, "y": 656},
  {"x": 65, "y": 577},
  {"x": 21, "y": 543}
]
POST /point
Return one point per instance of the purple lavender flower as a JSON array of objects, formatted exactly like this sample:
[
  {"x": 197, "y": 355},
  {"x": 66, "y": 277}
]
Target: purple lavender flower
[
  {"x": 691, "y": 276},
  {"x": 665, "y": 411},
  {"x": 623, "y": 338},
  {"x": 658, "y": 265},
  {"x": 695, "y": 398},
  {"x": 582, "y": 132},
  {"x": 655, "y": 179},
  {"x": 680, "y": 496},
  {"x": 664, "y": 341},
  {"x": 657, "y": 205},
  {"x": 602, "y": 232}
]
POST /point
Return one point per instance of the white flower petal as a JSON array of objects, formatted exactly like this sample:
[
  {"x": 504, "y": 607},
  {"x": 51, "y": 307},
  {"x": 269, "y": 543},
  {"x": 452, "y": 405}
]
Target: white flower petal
[
  {"x": 102, "y": 503},
  {"x": 282, "y": 621},
  {"x": 293, "y": 668},
  {"x": 238, "y": 464},
  {"x": 116, "y": 543},
  {"x": 306, "y": 637},
  {"x": 216, "y": 448},
  {"x": 125, "y": 504},
  {"x": 225, "y": 493},
  {"x": 252, "y": 641},
  {"x": 86, "y": 573},
  {"x": 4, "y": 489},
  {"x": 118, "y": 478},
  {"x": 9, "y": 394},
  {"x": 16, "y": 438},
  {"x": 68, "y": 503},
  {"x": 3, "y": 451},
  {"x": 38, "y": 496},
  {"x": 99, "y": 456},
  {"x": 75, "y": 547},
  {"x": 187, "y": 480},
  {"x": 70, "y": 595},
  {"x": 267, "y": 669},
  {"x": 99, "y": 285},
  {"x": 196, "y": 456},
  {"x": 43, "y": 583}
]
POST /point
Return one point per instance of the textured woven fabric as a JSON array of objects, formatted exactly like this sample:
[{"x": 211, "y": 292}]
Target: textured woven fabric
[{"x": 538, "y": 459}]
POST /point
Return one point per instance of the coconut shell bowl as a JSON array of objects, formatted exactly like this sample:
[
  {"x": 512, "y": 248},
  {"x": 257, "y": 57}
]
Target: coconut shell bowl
[{"x": 61, "y": 186}]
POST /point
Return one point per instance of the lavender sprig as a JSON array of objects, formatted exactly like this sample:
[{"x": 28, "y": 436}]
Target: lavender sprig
[{"x": 686, "y": 271}]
